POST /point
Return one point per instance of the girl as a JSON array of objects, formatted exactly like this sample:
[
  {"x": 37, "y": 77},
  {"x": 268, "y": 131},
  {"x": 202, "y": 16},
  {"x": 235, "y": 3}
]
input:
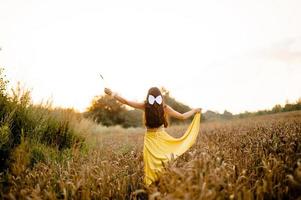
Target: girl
[{"x": 160, "y": 147}]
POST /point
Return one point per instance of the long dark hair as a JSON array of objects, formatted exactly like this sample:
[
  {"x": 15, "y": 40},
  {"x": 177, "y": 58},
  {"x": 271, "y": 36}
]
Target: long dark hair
[{"x": 154, "y": 114}]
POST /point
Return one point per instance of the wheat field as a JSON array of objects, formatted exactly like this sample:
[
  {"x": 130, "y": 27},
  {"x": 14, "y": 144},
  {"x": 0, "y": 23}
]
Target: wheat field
[{"x": 252, "y": 158}]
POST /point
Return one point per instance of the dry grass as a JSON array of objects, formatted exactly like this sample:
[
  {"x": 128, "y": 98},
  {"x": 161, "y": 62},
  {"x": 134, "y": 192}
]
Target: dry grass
[{"x": 255, "y": 158}]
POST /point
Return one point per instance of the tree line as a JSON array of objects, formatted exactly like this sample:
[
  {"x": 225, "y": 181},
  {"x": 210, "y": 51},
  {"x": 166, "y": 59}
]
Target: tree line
[{"x": 108, "y": 111}]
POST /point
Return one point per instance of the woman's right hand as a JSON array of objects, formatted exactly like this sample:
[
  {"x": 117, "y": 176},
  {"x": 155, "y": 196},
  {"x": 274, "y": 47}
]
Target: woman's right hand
[{"x": 108, "y": 91}]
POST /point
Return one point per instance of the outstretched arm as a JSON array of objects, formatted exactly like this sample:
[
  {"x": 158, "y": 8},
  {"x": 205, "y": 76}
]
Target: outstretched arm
[
  {"x": 133, "y": 104},
  {"x": 173, "y": 113}
]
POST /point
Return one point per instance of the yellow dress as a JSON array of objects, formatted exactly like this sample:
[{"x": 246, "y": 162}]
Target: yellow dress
[{"x": 160, "y": 147}]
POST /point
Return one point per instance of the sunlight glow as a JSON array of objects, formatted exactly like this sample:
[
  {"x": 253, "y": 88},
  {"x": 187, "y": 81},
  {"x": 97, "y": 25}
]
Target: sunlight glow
[{"x": 234, "y": 55}]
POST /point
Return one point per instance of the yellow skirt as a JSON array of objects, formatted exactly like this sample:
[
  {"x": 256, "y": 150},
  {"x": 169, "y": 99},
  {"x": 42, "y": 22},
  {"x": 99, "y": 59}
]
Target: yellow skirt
[{"x": 160, "y": 147}]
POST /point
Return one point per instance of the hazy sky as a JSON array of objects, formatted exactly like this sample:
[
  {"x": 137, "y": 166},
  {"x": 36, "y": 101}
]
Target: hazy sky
[{"x": 235, "y": 55}]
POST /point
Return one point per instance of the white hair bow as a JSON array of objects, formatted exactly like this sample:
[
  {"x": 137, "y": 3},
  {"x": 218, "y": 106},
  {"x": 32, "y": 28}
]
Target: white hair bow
[{"x": 152, "y": 99}]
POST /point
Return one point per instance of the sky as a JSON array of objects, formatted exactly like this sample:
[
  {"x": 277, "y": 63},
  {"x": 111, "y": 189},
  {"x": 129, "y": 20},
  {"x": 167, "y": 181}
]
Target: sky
[{"x": 218, "y": 55}]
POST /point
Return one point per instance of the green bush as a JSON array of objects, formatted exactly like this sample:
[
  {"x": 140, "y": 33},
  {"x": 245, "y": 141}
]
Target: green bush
[
  {"x": 37, "y": 155},
  {"x": 4, "y": 135},
  {"x": 37, "y": 123}
]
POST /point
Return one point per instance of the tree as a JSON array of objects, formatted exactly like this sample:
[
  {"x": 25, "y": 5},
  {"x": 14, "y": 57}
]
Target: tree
[
  {"x": 277, "y": 108},
  {"x": 288, "y": 107},
  {"x": 227, "y": 115},
  {"x": 132, "y": 118},
  {"x": 106, "y": 110}
]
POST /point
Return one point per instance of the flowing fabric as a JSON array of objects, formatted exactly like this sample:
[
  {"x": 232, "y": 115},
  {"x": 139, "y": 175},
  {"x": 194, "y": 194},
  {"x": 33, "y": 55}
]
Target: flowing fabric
[{"x": 160, "y": 147}]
